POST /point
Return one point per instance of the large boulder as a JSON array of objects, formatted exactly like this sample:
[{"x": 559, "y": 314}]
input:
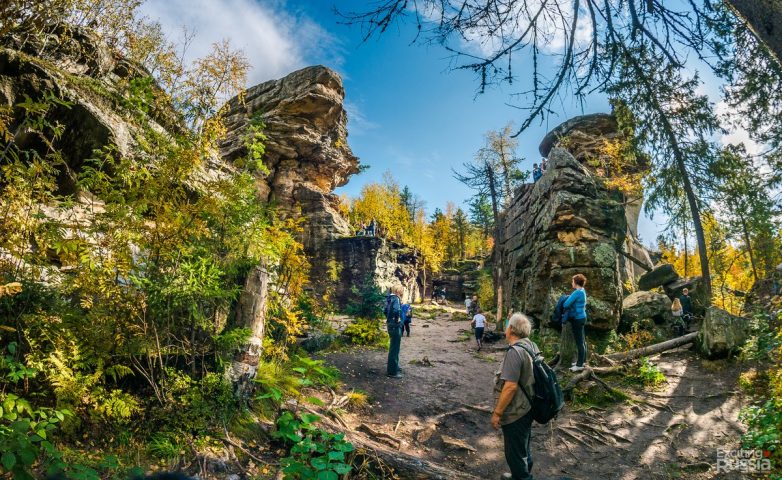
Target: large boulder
[
  {"x": 721, "y": 333},
  {"x": 359, "y": 260},
  {"x": 567, "y": 222},
  {"x": 657, "y": 277},
  {"x": 644, "y": 305},
  {"x": 697, "y": 292}
]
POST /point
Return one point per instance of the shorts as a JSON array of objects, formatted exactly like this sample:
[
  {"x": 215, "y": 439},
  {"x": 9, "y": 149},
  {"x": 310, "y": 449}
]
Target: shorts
[{"x": 478, "y": 333}]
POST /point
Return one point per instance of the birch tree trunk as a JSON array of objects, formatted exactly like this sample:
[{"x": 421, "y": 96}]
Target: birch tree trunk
[{"x": 250, "y": 313}]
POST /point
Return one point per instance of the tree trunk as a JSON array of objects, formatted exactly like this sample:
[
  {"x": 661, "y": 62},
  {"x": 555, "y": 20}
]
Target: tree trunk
[
  {"x": 749, "y": 248},
  {"x": 764, "y": 18},
  {"x": 686, "y": 253},
  {"x": 653, "y": 349},
  {"x": 567, "y": 347},
  {"x": 696, "y": 221},
  {"x": 497, "y": 270},
  {"x": 250, "y": 313}
]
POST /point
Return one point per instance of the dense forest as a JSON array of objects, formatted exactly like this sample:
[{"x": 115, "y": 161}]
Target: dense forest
[{"x": 159, "y": 307}]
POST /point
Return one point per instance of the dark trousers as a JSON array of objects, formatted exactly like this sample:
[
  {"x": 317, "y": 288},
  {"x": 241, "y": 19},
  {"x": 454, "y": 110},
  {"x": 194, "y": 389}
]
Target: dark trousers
[
  {"x": 517, "y": 453},
  {"x": 395, "y": 333},
  {"x": 406, "y": 328},
  {"x": 580, "y": 337}
]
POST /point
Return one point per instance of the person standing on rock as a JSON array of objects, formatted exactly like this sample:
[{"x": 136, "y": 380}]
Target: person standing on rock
[
  {"x": 512, "y": 410},
  {"x": 536, "y": 173},
  {"x": 371, "y": 228},
  {"x": 393, "y": 311},
  {"x": 576, "y": 307}
]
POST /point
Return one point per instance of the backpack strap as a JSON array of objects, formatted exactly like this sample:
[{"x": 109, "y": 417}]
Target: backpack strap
[{"x": 532, "y": 358}]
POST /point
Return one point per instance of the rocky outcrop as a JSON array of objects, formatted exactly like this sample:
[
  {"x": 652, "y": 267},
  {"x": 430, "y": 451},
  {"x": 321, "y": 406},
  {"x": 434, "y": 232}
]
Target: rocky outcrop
[
  {"x": 721, "y": 333},
  {"x": 307, "y": 153},
  {"x": 571, "y": 222},
  {"x": 360, "y": 260},
  {"x": 659, "y": 276},
  {"x": 640, "y": 306},
  {"x": 567, "y": 222}
]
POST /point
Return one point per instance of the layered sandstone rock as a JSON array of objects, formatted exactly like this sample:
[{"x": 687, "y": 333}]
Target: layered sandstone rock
[
  {"x": 566, "y": 223},
  {"x": 362, "y": 260},
  {"x": 307, "y": 153},
  {"x": 571, "y": 222}
]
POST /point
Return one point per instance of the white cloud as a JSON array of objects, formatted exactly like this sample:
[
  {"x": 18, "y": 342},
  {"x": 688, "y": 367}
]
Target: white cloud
[
  {"x": 736, "y": 134},
  {"x": 275, "y": 41},
  {"x": 358, "y": 123}
]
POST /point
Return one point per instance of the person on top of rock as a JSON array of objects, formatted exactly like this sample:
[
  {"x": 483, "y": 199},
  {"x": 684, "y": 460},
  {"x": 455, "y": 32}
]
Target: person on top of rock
[
  {"x": 686, "y": 302},
  {"x": 371, "y": 228},
  {"x": 479, "y": 323},
  {"x": 407, "y": 318},
  {"x": 512, "y": 410},
  {"x": 393, "y": 311},
  {"x": 536, "y": 172},
  {"x": 363, "y": 230},
  {"x": 576, "y": 307},
  {"x": 543, "y": 165}
]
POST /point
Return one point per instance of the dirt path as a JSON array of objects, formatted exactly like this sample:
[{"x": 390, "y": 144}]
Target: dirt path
[{"x": 677, "y": 437}]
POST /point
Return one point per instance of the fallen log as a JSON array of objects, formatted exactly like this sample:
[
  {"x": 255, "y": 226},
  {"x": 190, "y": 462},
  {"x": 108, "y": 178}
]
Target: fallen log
[
  {"x": 407, "y": 466},
  {"x": 404, "y": 465},
  {"x": 653, "y": 349}
]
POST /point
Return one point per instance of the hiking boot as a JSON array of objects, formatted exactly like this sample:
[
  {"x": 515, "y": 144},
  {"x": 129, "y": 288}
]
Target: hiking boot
[
  {"x": 576, "y": 368},
  {"x": 398, "y": 375},
  {"x": 506, "y": 476}
]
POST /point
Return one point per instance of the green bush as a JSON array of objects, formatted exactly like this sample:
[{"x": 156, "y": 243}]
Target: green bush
[
  {"x": 764, "y": 429},
  {"x": 368, "y": 332},
  {"x": 315, "y": 453},
  {"x": 648, "y": 374},
  {"x": 367, "y": 301}
]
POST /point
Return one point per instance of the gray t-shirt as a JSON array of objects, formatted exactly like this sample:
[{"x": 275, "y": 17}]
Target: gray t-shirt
[{"x": 517, "y": 367}]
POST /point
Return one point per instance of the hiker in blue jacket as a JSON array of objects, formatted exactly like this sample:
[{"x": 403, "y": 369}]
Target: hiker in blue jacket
[
  {"x": 393, "y": 311},
  {"x": 575, "y": 305},
  {"x": 407, "y": 318}
]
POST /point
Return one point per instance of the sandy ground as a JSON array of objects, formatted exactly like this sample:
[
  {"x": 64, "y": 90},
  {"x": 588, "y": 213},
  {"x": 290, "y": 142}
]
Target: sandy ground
[{"x": 676, "y": 437}]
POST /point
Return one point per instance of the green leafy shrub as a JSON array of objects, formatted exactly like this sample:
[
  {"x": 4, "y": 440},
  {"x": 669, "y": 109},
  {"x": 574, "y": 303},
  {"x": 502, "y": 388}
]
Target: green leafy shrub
[
  {"x": 367, "y": 301},
  {"x": 314, "y": 372},
  {"x": 315, "y": 453},
  {"x": 648, "y": 374},
  {"x": 764, "y": 429},
  {"x": 363, "y": 331},
  {"x": 24, "y": 436}
]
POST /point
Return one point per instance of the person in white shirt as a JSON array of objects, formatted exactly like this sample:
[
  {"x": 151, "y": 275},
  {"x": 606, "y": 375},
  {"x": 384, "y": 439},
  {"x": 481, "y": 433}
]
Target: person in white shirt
[{"x": 479, "y": 323}]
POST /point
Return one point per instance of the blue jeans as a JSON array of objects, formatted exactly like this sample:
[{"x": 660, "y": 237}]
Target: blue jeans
[
  {"x": 395, "y": 333},
  {"x": 580, "y": 337}
]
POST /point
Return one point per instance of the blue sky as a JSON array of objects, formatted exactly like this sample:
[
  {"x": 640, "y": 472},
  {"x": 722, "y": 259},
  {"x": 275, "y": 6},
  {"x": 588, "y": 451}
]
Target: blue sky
[{"x": 410, "y": 113}]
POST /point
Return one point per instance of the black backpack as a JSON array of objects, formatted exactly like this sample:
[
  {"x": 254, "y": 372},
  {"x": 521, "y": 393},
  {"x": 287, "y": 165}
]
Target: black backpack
[{"x": 548, "y": 399}]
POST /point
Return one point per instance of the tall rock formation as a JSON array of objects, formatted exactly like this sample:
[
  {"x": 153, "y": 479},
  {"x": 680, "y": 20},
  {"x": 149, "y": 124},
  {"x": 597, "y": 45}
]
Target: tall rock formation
[
  {"x": 570, "y": 222},
  {"x": 307, "y": 153},
  {"x": 308, "y": 156}
]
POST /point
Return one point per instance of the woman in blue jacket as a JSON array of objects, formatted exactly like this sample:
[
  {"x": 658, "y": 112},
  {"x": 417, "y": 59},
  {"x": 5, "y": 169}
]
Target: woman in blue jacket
[{"x": 575, "y": 305}]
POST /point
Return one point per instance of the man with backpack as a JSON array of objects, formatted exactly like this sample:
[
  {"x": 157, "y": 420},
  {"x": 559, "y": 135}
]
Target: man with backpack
[
  {"x": 407, "y": 318},
  {"x": 393, "y": 311},
  {"x": 525, "y": 389}
]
